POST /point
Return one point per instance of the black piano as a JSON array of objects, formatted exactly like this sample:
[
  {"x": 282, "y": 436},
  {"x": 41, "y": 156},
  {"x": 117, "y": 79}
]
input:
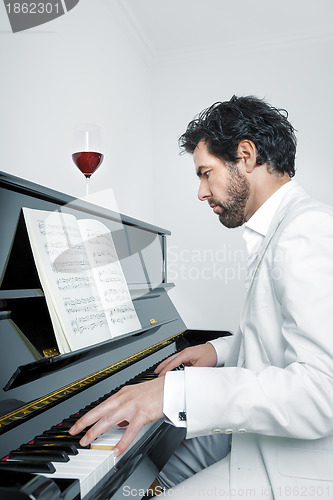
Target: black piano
[{"x": 42, "y": 390}]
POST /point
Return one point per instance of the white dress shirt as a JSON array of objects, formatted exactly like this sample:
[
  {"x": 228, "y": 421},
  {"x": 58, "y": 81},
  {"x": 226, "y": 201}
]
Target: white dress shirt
[{"x": 255, "y": 230}]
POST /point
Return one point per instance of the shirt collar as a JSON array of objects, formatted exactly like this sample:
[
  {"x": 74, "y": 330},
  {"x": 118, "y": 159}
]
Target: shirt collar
[{"x": 261, "y": 219}]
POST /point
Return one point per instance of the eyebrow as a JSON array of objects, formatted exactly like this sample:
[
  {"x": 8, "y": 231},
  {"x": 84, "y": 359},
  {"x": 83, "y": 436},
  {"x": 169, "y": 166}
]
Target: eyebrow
[{"x": 199, "y": 171}]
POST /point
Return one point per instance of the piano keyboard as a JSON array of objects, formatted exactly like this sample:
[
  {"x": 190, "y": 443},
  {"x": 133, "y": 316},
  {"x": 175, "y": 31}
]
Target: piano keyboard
[
  {"x": 91, "y": 465},
  {"x": 57, "y": 455}
]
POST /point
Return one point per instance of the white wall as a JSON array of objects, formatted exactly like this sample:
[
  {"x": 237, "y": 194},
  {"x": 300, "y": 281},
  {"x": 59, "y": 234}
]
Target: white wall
[
  {"x": 82, "y": 67},
  {"x": 78, "y": 68},
  {"x": 204, "y": 255}
]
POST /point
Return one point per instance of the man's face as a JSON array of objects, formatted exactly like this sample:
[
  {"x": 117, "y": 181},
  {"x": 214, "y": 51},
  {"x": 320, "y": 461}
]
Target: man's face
[{"x": 223, "y": 185}]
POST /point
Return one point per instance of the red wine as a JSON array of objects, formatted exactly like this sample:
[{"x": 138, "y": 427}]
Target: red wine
[{"x": 87, "y": 161}]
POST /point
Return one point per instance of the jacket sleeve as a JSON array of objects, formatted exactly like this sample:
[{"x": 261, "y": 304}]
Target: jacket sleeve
[{"x": 295, "y": 399}]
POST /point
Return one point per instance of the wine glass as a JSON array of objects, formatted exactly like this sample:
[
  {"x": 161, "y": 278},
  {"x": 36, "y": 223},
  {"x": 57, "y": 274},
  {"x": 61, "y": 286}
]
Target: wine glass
[{"x": 87, "y": 147}]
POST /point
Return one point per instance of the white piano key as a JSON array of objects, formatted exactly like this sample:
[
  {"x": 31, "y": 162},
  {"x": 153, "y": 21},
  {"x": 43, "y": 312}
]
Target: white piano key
[
  {"x": 107, "y": 459},
  {"x": 93, "y": 461},
  {"x": 91, "y": 465},
  {"x": 108, "y": 439}
]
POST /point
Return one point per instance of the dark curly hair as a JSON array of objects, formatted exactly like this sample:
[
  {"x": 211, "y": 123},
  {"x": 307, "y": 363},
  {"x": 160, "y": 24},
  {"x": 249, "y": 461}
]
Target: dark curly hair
[{"x": 224, "y": 124}]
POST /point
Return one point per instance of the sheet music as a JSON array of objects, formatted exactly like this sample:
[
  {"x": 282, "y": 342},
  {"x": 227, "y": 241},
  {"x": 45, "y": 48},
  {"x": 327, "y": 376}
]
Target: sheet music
[
  {"x": 109, "y": 277},
  {"x": 67, "y": 280}
]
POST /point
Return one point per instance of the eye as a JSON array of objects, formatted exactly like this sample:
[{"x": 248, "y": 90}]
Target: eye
[{"x": 206, "y": 174}]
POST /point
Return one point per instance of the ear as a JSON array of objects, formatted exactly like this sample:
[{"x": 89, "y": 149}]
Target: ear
[{"x": 247, "y": 152}]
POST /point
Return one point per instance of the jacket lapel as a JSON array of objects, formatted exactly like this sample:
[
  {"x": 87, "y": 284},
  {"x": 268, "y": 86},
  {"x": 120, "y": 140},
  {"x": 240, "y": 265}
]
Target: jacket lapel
[{"x": 294, "y": 197}]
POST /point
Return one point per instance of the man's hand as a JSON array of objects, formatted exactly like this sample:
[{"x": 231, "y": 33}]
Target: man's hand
[
  {"x": 201, "y": 355},
  {"x": 136, "y": 404}
]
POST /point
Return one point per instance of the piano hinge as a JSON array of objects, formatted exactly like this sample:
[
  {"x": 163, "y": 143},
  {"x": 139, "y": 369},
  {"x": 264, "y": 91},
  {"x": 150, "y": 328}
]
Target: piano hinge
[{"x": 49, "y": 353}]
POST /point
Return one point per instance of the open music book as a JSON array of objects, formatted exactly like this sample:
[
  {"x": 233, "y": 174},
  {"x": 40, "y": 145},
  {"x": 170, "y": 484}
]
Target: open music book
[{"x": 82, "y": 279}]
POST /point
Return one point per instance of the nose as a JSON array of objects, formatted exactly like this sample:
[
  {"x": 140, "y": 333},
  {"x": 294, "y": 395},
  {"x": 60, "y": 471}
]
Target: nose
[{"x": 204, "y": 191}]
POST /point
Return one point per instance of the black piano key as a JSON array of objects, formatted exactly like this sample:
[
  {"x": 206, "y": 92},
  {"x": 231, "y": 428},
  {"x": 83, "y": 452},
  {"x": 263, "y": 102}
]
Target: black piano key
[
  {"x": 27, "y": 466},
  {"x": 82, "y": 412},
  {"x": 40, "y": 455},
  {"x": 66, "y": 423},
  {"x": 61, "y": 427},
  {"x": 59, "y": 432},
  {"x": 69, "y": 420},
  {"x": 89, "y": 407},
  {"x": 70, "y": 449},
  {"x": 106, "y": 396},
  {"x": 60, "y": 440},
  {"x": 149, "y": 376}
]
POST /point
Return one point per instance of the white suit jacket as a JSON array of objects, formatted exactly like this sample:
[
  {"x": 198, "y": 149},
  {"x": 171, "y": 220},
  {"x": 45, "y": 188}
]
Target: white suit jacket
[{"x": 277, "y": 399}]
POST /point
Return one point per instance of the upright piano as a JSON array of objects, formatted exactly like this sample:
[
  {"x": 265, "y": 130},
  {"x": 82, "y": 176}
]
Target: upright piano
[{"x": 41, "y": 390}]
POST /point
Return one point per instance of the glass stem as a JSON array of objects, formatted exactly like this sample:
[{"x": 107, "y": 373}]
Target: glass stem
[{"x": 87, "y": 186}]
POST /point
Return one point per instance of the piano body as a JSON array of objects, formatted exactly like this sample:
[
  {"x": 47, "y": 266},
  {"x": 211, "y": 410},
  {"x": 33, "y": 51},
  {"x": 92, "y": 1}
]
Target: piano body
[{"x": 39, "y": 388}]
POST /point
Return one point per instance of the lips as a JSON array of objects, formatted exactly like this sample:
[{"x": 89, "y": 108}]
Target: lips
[{"x": 216, "y": 208}]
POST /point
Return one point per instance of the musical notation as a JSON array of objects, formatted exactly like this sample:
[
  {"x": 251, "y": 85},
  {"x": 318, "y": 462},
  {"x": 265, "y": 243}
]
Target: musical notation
[
  {"x": 73, "y": 282},
  {"x": 89, "y": 322},
  {"x": 109, "y": 278}
]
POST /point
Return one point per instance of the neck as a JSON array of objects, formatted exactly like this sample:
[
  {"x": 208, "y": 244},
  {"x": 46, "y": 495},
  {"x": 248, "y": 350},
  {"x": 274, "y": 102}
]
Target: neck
[{"x": 266, "y": 184}]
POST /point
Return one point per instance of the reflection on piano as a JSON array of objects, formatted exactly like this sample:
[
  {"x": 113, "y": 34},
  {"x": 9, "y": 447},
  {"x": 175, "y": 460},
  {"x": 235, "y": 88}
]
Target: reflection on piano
[{"x": 44, "y": 393}]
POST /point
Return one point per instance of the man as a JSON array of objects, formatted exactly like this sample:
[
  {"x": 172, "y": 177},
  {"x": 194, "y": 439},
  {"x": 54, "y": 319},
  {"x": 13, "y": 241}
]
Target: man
[{"x": 274, "y": 394}]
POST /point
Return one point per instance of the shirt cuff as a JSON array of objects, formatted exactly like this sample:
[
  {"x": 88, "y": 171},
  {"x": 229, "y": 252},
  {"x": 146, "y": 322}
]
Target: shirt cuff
[
  {"x": 174, "y": 398},
  {"x": 222, "y": 348}
]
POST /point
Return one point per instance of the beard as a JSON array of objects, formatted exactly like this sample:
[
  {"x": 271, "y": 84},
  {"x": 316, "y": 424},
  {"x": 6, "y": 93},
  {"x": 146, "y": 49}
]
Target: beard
[{"x": 233, "y": 210}]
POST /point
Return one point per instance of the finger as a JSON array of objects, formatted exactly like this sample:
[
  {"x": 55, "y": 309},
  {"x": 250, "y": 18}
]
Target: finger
[
  {"x": 172, "y": 362},
  {"x": 165, "y": 363},
  {"x": 96, "y": 430},
  {"x": 107, "y": 420},
  {"x": 132, "y": 430},
  {"x": 92, "y": 416},
  {"x": 180, "y": 359}
]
